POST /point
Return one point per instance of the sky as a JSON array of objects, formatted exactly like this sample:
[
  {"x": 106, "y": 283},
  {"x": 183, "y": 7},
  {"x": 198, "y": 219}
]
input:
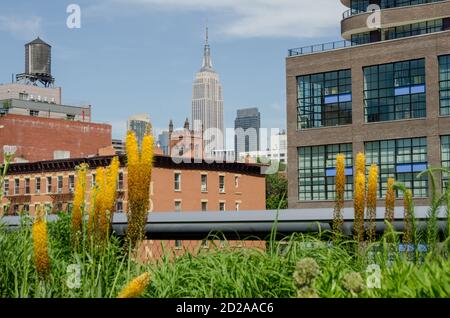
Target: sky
[{"x": 141, "y": 56}]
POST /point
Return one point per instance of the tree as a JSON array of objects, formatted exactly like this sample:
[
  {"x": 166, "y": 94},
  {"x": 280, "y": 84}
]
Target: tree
[{"x": 276, "y": 191}]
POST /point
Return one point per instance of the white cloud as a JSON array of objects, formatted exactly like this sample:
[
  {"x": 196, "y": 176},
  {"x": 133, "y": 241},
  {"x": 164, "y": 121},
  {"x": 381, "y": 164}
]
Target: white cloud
[
  {"x": 21, "y": 27},
  {"x": 257, "y": 18}
]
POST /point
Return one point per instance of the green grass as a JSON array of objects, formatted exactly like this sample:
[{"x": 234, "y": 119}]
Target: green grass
[{"x": 226, "y": 273}]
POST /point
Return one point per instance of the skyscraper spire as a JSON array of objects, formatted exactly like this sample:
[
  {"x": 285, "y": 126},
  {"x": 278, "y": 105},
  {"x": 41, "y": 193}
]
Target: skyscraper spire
[{"x": 207, "y": 62}]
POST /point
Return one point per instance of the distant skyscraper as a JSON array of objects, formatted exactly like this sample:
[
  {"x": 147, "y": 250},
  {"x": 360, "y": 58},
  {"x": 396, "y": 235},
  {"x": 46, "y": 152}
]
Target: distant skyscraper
[
  {"x": 246, "y": 126},
  {"x": 207, "y": 101},
  {"x": 163, "y": 142},
  {"x": 139, "y": 124}
]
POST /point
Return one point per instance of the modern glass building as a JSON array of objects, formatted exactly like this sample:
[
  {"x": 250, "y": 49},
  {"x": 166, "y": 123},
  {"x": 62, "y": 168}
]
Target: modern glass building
[
  {"x": 384, "y": 90},
  {"x": 247, "y": 125}
]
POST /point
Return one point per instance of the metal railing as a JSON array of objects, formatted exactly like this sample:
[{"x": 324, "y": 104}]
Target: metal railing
[
  {"x": 320, "y": 48},
  {"x": 241, "y": 225}
]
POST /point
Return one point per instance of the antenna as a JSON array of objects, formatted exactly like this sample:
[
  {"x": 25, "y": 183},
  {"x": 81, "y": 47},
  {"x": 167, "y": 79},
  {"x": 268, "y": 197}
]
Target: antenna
[{"x": 207, "y": 32}]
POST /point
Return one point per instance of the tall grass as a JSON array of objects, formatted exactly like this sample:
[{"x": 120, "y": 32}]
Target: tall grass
[{"x": 105, "y": 272}]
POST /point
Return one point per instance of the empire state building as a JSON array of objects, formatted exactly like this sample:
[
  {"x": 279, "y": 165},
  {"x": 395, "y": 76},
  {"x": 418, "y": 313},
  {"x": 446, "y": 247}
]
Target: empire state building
[{"x": 207, "y": 103}]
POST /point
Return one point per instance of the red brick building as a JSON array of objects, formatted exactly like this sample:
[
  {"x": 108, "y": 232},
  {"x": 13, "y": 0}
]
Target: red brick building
[
  {"x": 175, "y": 187},
  {"x": 40, "y": 138}
]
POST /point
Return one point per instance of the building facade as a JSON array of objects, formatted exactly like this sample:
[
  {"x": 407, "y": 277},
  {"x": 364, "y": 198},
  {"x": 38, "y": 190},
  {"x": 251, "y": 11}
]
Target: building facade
[
  {"x": 385, "y": 93},
  {"x": 246, "y": 126},
  {"x": 183, "y": 186},
  {"x": 140, "y": 125},
  {"x": 207, "y": 102},
  {"x": 30, "y": 93},
  {"x": 39, "y": 138}
]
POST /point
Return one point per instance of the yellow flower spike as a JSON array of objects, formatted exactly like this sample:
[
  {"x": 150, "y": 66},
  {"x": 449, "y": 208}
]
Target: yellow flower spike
[
  {"x": 132, "y": 149},
  {"x": 407, "y": 204},
  {"x": 360, "y": 163},
  {"x": 390, "y": 201},
  {"x": 359, "y": 204},
  {"x": 136, "y": 287},
  {"x": 78, "y": 202},
  {"x": 99, "y": 201},
  {"x": 340, "y": 191},
  {"x": 109, "y": 196},
  {"x": 139, "y": 179},
  {"x": 372, "y": 190},
  {"x": 40, "y": 245}
]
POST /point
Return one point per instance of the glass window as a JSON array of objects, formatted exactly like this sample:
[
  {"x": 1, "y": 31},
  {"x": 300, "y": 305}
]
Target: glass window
[
  {"x": 16, "y": 186},
  {"x": 204, "y": 182},
  {"x": 60, "y": 184},
  {"x": 6, "y": 187},
  {"x": 120, "y": 181},
  {"x": 317, "y": 171},
  {"x": 324, "y": 99},
  {"x": 221, "y": 206},
  {"x": 221, "y": 184},
  {"x": 177, "y": 181},
  {"x": 386, "y": 4},
  {"x": 204, "y": 206},
  {"x": 37, "y": 185},
  {"x": 49, "y": 184},
  {"x": 27, "y": 185},
  {"x": 413, "y": 29},
  {"x": 395, "y": 91},
  {"x": 119, "y": 206},
  {"x": 402, "y": 159},
  {"x": 445, "y": 158},
  {"x": 71, "y": 183},
  {"x": 444, "y": 84}
]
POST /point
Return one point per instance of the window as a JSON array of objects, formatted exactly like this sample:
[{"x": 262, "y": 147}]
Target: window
[
  {"x": 444, "y": 84},
  {"x": 120, "y": 181},
  {"x": 236, "y": 181},
  {"x": 361, "y": 38},
  {"x": 37, "y": 185},
  {"x": 317, "y": 172},
  {"x": 23, "y": 96},
  {"x": 16, "y": 186},
  {"x": 324, "y": 99},
  {"x": 204, "y": 206},
  {"x": 221, "y": 206},
  {"x": 71, "y": 183},
  {"x": 177, "y": 181},
  {"x": 93, "y": 181},
  {"x": 27, "y": 185},
  {"x": 6, "y": 186},
  {"x": 402, "y": 159},
  {"x": 34, "y": 113},
  {"x": 204, "y": 186},
  {"x": 445, "y": 157},
  {"x": 69, "y": 207},
  {"x": 395, "y": 91},
  {"x": 385, "y": 4},
  {"x": 413, "y": 29},
  {"x": 16, "y": 208},
  {"x": 222, "y": 184},
  {"x": 49, "y": 184},
  {"x": 70, "y": 117},
  {"x": 26, "y": 209},
  {"x": 119, "y": 206},
  {"x": 237, "y": 206},
  {"x": 60, "y": 184}
]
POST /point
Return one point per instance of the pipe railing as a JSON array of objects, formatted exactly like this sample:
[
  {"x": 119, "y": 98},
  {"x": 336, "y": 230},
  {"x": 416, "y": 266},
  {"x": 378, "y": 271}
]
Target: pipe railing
[{"x": 240, "y": 225}]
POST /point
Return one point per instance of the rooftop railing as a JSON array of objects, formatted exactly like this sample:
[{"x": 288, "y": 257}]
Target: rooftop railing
[{"x": 320, "y": 48}]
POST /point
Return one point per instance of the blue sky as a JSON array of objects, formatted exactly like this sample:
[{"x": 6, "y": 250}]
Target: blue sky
[{"x": 140, "y": 56}]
